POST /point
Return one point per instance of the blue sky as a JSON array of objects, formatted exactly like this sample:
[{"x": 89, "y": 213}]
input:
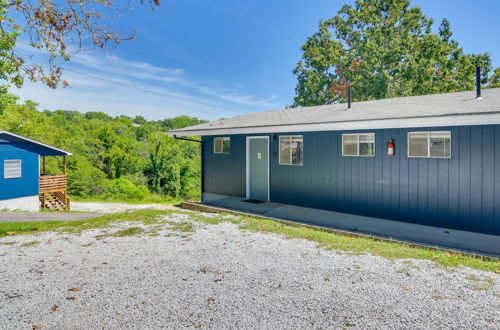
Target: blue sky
[{"x": 222, "y": 58}]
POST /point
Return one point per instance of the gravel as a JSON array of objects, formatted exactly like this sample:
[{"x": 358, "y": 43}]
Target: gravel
[
  {"x": 219, "y": 276},
  {"x": 103, "y": 207}
]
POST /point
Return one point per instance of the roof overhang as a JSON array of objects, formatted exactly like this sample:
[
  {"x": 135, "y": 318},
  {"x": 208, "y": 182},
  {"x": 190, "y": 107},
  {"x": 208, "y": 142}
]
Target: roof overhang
[
  {"x": 430, "y": 121},
  {"x": 20, "y": 138}
]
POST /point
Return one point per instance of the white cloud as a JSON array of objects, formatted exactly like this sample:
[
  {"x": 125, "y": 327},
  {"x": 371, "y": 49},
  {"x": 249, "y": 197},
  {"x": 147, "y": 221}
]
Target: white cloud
[
  {"x": 117, "y": 85},
  {"x": 234, "y": 97}
]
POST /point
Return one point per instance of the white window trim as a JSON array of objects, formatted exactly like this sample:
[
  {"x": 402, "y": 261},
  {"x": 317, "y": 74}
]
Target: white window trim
[
  {"x": 223, "y": 139},
  {"x": 428, "y": 144},
  {"x": 20, "y": 169},
  {"x": 279, "y": 150},
  {"x": 357, "y": 147}
]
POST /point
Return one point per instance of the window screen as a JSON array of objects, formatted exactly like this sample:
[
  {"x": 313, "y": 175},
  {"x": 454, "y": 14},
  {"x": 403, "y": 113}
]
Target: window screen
[
  {"x": 12, "y": 168},
  {"x": 350, "y": 144},
  {"x": 440, "y": 144},
  {"x": 429, "y": 144},
  {"x": 359, "y": 144},
  {"x": 222, "y": 145},
  {"x": 291, "y": 150},
  {"x": 367, "y": 144}
]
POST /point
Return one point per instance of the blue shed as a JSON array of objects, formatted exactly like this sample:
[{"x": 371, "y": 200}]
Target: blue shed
[
  {"x": 432, "y": 160},
  {"x": 23, "y": 184}
]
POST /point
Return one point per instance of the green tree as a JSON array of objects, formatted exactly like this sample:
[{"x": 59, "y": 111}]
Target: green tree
[
  {"x": 6, "y": 98},
  {"x": 495, "y": 79},
  {"x": 383, "y": 48},
  {"x": 112, "y": 158},
  {"x": 180, "y": 122},
  {"x": 157, "y": 163},
  {"x": 54, "y": 26}
]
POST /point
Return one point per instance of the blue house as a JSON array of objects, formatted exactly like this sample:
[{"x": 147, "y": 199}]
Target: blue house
[
  {"x": 432, "y": 160},
  {"x": 23, "y": 185}
]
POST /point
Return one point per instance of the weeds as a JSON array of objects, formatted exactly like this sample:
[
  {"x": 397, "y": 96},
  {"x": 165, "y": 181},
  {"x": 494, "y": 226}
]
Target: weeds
[
  {"x": 132, "y": 231},
  {"x": 215, "y": 218},
  {"x": 147, "y": 217},
  {"x": 184, "y": 227},
  {"x": 30, "y": 243},
  {"x": 483, "y": 284},
  {"x": 324, "y": 239}
]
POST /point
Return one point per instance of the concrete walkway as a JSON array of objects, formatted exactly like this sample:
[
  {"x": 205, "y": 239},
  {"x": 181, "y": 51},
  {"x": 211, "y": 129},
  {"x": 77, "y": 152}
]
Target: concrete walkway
[
  {"x": 413, "y": 233},
  {"x": 45, "y": 216}
]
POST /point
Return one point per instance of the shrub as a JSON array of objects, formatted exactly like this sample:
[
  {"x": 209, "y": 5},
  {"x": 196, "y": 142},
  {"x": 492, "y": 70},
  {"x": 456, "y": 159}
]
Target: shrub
[{"x": 123, "y": 189}]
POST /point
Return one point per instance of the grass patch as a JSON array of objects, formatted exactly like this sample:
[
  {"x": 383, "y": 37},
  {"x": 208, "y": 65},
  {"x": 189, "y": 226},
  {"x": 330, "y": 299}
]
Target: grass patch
[
  {"x": 390, "y": 250},
  {"x": 327, "y": 240},
  {"x": 24, "y": 228},
  {"x": 356, "y": 245},
  {"x": 482, "y": 284},
  {"x": 30, "y": 243},
  {"x": 128, "y": 232},
  {"x": 473, "y": 277},
  {"x": 184, "y": 227},
  {"x": 215, "y": 218}
]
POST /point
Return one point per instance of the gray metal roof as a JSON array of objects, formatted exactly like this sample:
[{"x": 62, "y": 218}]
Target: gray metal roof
[{"x": 392, "y": 111}]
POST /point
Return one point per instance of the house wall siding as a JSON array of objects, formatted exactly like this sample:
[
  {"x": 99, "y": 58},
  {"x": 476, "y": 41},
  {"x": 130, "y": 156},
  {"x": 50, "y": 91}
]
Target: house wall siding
[
  {"x": 462, "y": 192},
  {"x": 25, "y": 186},
  {"x": 225, "y": 174}
]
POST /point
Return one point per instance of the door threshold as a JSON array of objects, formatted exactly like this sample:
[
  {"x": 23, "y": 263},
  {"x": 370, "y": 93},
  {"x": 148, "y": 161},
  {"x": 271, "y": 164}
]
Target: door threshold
[{"x": 254, "y": 201}]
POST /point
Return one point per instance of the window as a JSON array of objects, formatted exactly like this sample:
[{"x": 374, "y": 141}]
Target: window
[
  {"x": 222, "y": 145},
  {"x": 11, "y": 168},
  {"x": 362, "y": 144},
  {"x": 429, "y": 144},
  {"x": 291, "y": 150}
]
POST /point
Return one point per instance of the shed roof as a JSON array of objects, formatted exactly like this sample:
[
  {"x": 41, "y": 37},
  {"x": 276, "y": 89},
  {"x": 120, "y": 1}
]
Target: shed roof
[
  {"x": 450, "y": 109},
  {"x": 31, "y": 145}
]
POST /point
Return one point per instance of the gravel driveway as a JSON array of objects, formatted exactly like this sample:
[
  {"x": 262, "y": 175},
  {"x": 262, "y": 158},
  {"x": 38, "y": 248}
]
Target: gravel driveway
[
  {"x": 218, "y": 276},
  {"x": 104, "y": 207}
]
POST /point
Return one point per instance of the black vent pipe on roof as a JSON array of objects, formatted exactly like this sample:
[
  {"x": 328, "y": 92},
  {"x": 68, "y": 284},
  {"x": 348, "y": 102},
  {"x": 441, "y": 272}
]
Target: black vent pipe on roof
[
  {"x": 478, "y": 82},
  {"x": 349, "y": 97}
]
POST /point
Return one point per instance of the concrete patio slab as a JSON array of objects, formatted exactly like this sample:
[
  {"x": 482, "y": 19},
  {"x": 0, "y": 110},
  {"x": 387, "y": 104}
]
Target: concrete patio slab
[{"x": 426, "y": 235}]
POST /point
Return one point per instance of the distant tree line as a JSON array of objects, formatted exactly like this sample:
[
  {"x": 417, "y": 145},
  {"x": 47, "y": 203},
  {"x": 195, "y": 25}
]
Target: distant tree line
[{"x": 115, "y": 158}]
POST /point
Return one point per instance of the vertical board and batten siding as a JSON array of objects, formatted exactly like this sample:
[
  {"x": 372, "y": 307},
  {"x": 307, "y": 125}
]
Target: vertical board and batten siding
[
  {"x": 225, "y": 174},
  {"x": 462, "y": 192}
]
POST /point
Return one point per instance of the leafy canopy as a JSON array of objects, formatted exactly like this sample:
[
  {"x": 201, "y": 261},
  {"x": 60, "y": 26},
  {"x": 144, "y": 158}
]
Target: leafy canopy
[
  {"x": 383, "y": 48},
  {"x": 55, "y": 27},
  {"x": 114, "y": 158}
]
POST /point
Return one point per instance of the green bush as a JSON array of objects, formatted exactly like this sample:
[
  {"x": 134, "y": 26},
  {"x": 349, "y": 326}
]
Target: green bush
[
  {"x": 123, "y": 189},
  {"x": 84, "y": 180}
]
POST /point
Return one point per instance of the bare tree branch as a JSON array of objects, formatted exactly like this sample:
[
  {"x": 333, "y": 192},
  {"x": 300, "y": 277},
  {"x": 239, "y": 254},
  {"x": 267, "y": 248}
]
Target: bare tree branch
[{"x": 60, "y": 28}]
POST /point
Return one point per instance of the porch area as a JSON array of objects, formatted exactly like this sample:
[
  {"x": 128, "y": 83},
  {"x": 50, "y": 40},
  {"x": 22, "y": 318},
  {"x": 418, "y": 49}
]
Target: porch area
[
  {"x": 464, "y": 241},
  {"x": 53, "y": 189}
]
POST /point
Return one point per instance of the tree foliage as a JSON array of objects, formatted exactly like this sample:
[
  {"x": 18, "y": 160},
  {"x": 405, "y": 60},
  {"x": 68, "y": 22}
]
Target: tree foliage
[
  {"x": 114, "y": 158},
  {"x": 495, "y": 78},
  {"x": 383, "y": 48},
  {"x": 56, "y": 27}
]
